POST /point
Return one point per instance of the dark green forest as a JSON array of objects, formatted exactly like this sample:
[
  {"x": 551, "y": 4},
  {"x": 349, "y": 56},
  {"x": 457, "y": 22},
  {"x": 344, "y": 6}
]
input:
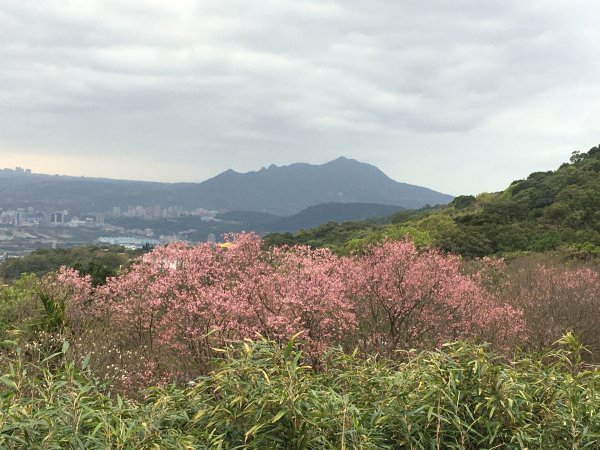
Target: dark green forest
[{"x": 98, "y": 262}]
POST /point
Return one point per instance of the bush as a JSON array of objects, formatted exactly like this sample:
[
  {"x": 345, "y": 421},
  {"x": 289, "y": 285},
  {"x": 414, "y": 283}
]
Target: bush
[
  {"x": 18, "y": 303},
  {"x": 554, "y": 299},
  {"x": 262, "y": 395}
]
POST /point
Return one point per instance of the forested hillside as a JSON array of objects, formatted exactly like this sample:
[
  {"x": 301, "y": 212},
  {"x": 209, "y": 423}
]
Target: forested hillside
[
  {"x": 99, "y": 262},
  {"x": 549, "y": 211}
]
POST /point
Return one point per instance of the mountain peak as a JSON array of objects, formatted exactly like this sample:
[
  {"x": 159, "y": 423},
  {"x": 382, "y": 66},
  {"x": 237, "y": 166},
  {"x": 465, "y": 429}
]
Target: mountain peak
[
  {"x": 343, "y": 159},
  {"x": 282, "y": 190},
  {"x": 285, "y": 190}
]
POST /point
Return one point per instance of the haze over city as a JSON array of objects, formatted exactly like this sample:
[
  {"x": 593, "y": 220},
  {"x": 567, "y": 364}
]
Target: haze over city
[{"x": 461, "y": 97}]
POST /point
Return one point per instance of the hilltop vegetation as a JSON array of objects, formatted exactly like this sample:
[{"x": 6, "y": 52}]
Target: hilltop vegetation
[
  {"x": 549, "y": 211},
  {"x": 99, "y": 262}
]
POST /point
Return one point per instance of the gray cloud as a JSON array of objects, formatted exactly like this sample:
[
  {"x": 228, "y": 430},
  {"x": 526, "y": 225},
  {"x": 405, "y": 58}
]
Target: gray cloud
[{"x": 461, "y": 96}]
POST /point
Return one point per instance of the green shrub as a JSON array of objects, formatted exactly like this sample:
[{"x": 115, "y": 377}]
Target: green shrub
[
  {"x": 18, "y": 302},
  {"x": 261, "y": 396}
]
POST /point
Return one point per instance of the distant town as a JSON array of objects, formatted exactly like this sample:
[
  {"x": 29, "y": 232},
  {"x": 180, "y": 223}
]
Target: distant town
[
  {"x": 40, "y": 211},
  {"x": 15, "y": 171},
  {"x": 28, "y": 217},
  {"x": 28, "y": 225}
]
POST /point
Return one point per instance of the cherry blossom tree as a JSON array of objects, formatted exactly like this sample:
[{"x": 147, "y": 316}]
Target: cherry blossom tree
[
  {"x": 410, "y": 299},
  {"x": 178, "y": 303}
]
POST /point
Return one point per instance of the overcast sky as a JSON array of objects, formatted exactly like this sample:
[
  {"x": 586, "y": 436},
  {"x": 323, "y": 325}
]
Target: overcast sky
[{"x": 460, "y": 96}]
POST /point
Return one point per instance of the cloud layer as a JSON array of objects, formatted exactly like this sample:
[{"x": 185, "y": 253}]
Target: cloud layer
[{"x": 460, "y": 96}]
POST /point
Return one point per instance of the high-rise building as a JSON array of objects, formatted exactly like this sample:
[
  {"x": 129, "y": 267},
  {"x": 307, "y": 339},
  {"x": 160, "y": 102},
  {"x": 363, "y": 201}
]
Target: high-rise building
[{"x": 57, "y": 218}]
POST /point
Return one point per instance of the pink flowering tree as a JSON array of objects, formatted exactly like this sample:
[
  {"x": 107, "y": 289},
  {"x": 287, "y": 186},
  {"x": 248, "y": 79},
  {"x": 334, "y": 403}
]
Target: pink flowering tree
[
  {"x": 178, "y": 303},
  {"x": 307, "y": 294},
  {"x": 61, "y": 295},
  {"x": 407, "y": 299},
  {"x": 163, "y": 319}
]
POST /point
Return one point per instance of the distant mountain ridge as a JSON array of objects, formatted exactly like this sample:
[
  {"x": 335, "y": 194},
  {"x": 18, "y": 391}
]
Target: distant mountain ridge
[
  {"x": 289, "y": 189},
  {"x": 310, "y": 217},
  {"x": 283, "y": 191},
  {"x": 316, "y": 215}
]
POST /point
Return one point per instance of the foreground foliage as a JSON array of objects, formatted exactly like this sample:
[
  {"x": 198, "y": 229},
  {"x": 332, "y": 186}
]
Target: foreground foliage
[
  {"x": 333, "y": 370},
  {"x": 261, "y": 395}
]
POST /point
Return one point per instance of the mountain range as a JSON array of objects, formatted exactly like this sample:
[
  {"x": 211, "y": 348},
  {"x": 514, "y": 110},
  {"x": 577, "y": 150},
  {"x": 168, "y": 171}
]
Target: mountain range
[
  {"x": 289, "y": 189},
  {"x": 282, "y": 191}
]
